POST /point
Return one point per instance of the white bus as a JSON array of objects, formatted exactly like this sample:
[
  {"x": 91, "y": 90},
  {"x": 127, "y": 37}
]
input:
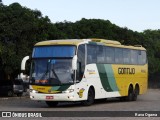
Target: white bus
[{"x": 85, "y": 70}]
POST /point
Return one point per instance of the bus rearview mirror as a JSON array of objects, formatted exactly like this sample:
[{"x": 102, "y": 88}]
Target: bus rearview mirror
[{"x": 23, "y": 63}]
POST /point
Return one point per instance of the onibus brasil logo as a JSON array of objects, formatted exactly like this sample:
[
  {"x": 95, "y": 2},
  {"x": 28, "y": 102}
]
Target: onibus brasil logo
[{"x": 21, "y": 114}]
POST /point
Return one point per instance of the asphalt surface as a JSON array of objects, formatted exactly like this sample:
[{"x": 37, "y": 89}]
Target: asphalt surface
[{"x": 148, "y": 102}]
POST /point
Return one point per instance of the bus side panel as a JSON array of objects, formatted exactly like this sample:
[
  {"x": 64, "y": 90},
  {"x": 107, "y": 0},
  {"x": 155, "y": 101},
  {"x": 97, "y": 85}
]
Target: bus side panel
[
  {"x": 113, "y": 80},
  {"x": 93, "y": 79},
  {"x": 131, "y": 74},
  {"x": 97, "y": 76}
]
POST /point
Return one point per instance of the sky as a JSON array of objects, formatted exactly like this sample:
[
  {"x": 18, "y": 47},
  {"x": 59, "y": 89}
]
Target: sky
[{"x": 137, "y": 15}]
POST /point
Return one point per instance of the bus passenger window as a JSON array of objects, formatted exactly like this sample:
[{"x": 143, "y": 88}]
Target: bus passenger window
[
  {"x": 142, "y": 57},
  {"x": 134, "y": 57},
  {"x": 118, "y": 55},
  {"x": 126, "y": 56},
  {"x": 109, "y": 54},
  {"x": 100, "y": 54},
  {"x": 91, "y": 54}
]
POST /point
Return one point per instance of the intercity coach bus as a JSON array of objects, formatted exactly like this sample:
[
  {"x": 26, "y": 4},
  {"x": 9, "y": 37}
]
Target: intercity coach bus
[{"x": 85, "y": 70}]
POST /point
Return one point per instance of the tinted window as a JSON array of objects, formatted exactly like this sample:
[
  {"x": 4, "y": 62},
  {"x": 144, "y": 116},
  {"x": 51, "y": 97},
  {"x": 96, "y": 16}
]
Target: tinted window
[
  {"x": 126, "y": 56},
  {"x": 142, "y": 57},
  {"x": 81, "y": 56},
  {"x": 91, "y": 54},
  {"x": 134, "y": 57},
  {"x": 100, "y": 54},
  {"x": 18, "y": 82},
  {"x": 118, "y": 55},
  {"x": 114, "y": 55},
  {"x": 109, "y": 54}
]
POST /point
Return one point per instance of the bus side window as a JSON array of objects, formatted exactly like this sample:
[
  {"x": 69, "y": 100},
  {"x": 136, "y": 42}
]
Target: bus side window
[
  {"x": 126, "y": 56},
  {"x": 91, "y": 54},
  {"x": 134, "y": 57},
  {"x": 81, "y": 61},
  {"x": 100, "y": 54},
  {"x": 110, "y": 55},
  {"x": 119, "y": 55},
  {"x": 142, "y": 57}
]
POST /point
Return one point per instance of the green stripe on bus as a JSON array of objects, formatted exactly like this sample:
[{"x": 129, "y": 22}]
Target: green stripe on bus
[
  {"x": 64, "y": 87},
  {"x": 104, "y": 78},
  {"x": 55, "y": 88},
  {"x": 60, "y": 88},
  {"x": 110, "y": 76}
]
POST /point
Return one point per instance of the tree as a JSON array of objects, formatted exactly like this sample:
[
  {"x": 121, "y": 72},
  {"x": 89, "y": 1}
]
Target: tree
[{"x": 20, "y": 29}]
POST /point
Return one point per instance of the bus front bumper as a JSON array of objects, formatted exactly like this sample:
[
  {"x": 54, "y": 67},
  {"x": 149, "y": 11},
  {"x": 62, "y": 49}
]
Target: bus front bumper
[{"x": 52, "y": 97}]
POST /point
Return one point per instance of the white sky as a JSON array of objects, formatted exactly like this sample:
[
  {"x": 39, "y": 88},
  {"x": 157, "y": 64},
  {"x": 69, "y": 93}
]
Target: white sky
[{"x": 137, "y": 15}]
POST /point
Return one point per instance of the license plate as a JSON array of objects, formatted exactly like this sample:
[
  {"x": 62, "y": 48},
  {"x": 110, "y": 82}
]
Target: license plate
[{"x": 49, "y": 97}]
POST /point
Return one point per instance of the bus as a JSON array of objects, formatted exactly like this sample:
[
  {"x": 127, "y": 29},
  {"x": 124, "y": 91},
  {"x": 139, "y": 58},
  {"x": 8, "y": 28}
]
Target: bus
[{"x": 86, "y": 70}]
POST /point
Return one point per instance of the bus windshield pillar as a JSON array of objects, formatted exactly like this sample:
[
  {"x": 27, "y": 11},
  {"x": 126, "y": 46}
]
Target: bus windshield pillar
[{"x": 74, "y": 63}]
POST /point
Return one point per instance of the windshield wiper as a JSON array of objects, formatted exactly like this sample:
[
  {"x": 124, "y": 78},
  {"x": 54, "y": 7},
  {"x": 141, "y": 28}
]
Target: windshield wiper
[
  {"x": 56, "y": 76},
  {"x": 44, "y": 74}
]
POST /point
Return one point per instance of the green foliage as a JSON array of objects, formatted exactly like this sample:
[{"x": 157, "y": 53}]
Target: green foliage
[{"x": 21, "y": 28}]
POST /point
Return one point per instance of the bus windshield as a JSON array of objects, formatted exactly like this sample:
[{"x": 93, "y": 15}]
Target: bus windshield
[{"x": 51, "y": 72}]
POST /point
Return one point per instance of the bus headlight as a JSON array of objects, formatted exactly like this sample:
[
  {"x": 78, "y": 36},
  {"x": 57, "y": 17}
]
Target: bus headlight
[
  {"x": 33, "y": 91},
  {"x": 68, "y": 91}
]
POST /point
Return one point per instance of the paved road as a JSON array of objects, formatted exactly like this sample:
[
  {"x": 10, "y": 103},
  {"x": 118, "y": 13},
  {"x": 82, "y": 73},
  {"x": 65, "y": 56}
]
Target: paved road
[{"x": 147, "y": 102}]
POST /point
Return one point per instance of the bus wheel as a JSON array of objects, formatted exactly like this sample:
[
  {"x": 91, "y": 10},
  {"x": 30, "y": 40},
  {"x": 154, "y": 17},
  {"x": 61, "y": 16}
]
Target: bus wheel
[
  {"x": 52, "y": 103},
  {"x": 130, "y": 94},
  {"x": 136, "y": 92},
  {"x": 90, "y": 99}
]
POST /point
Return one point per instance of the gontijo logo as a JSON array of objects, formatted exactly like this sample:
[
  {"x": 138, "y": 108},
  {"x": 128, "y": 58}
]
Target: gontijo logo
[{"x": 126, "y": 70}]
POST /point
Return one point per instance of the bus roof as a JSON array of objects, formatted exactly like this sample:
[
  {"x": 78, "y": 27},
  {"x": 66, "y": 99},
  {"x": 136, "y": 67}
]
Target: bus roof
[
  {"x": 105, "y": 42},
  {"x": 61, "y": 42}
]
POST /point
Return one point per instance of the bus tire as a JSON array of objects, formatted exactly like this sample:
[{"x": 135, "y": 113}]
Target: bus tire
[
  {"x": 136, "y": 93},
  {"x": 90, "y": 98},
  {"x": 130, "y": 94},
  {"x": 52, "y": 103}
]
